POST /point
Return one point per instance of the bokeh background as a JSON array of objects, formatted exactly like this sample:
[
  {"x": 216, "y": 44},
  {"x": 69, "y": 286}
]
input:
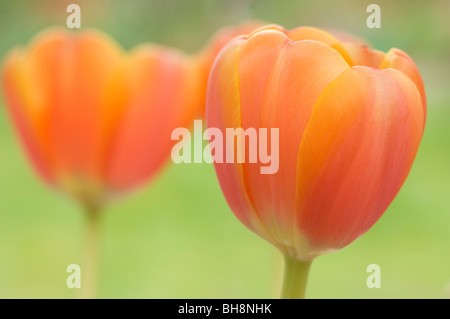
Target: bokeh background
[{"x": 177, "y": 238}]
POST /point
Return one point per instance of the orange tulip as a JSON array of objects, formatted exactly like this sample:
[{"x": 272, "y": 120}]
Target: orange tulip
[
  {"x": 350, "y": 122},
  {"x": 96, "y": 121}
]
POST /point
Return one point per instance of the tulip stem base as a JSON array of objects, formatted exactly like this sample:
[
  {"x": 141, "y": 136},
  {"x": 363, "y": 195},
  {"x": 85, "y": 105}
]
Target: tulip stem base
[
  {"x": 295, "y": 278},
  {"x": 90, "y": 268}
]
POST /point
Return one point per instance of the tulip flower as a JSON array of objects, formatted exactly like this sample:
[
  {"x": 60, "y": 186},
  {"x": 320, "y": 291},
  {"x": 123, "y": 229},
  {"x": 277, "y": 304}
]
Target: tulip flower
[
  {"x": 96, "y": 121},
  {"x": 350, "y": 122}
]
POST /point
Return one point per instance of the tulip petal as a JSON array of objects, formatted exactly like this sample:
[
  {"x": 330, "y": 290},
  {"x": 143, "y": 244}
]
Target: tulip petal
[
  {"x": 300, "y": 73},
  {"x": 29, "y": 112},
  {"x": 164, "y": 87},
  {"x": 222, "y": 37},
  {"x": 399, "y": 60},
  {"x": 363, "y": 56},
  {"x": 217, "y": 43},
  {"x": 356, "y": 152},
  {"x": 256, "y": 60},
  {"x": 311, "y": 33},
  {"x": 81, "y": 68},
  {"x": 222, "y": 112}
]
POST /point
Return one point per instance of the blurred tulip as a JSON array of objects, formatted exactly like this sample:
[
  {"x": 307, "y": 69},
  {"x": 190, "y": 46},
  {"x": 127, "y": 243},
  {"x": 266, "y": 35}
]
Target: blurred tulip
[
  {"x": 350, "y": 122},
  {"x": 96, "y": 121}
]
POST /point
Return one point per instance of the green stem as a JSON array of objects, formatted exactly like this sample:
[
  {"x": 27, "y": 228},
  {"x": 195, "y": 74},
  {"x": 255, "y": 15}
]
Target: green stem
[
  {"x": 90, "y": 269},
  {"x": 295, "y": 278}
]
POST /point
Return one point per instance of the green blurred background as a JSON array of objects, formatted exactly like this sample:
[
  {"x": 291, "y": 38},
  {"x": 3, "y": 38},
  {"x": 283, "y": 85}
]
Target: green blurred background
[{"x": 176, "y": 237}]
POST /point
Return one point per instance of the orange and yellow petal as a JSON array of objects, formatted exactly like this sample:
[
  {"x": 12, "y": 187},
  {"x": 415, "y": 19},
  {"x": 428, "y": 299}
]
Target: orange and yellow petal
[
  {"x": 294, "y": 81},
  {"x": 224, "y": 111},
  {"x": 82, "y": 70},
  {"x": 363, "y": 56},
  {"x": 399, "y": 60},
  {"x": 218, "y": 41},
  {"x": 311, "y": 33},
  {"x": 356, "y": 152},
  {"x": 28, "y": 110},
  {"x": 163, "y": 94}
]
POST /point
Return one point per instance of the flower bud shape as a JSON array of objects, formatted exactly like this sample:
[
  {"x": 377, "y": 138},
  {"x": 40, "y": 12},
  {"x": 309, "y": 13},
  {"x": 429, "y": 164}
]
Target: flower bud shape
[
  {"x": 350, "y": 122},
  {"x": 96, "y": 121}
]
